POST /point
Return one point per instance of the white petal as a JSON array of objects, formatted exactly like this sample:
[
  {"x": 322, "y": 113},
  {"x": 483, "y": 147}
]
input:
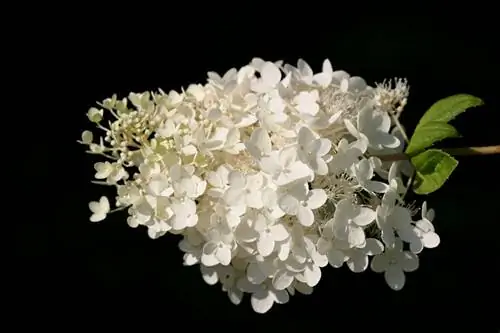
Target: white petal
[
  {"x": 376, "y": 186},
  {"x": 244, "y": 285},
  {"x": 379, "y": 263},
  {"x": 282, "y": 280},
  {"x": 416, "y": 246},
  {"x": 356, "y": 237},
  {"x": 279, "y": 232},
  {"x": 287, "y": 156},
  {"x": 388, "y": 236},
  {"x": 255, "y": 274},
  {"x": 209, "y": 260},
  {"x": 255, "y": 181},
  {"x": 154, "y": 234},
  {"x": 190, "y": 259},
  {"x": 97, "y": 217},
  {"x": 303, "y": 288},
  {"x": 284, "y": 251},
  {"x": 365, "y": 216},
  {"x": 262, "y": 301},
  {"x": 320, "y": 166},
  {"x": 312, "y": 274},
  {"x": 395, "y": 277},
  {"x": 304, "y": 68},
  {"x": 234, "y": 196},
  {"x": 280, "y": 296},
  {"x": 289, "y": 204},
  {"x": 305, "y": 136},
  {"x": 344, "y": 85},
  {"x": 401, "y": 218},
  {"x": 424, "y": 225},
  {"x": 223, "y": 254},
  {"x": 305, "y": 216},
  {"x": 236, "y": 179},
  {"x": 271, "y": 74},
  {"x": 94, "y": 206},
  {"x": 316, "y": 198},
  {"x": 327, "y": 67},
  {"x": 320, "y": 260},
  {"x": 209, "y": 274},
  {"x": 431, "y": 214},
  {"x": 235, "y": 295},
  {"x": 350, "y": 127},
  {"x": 270, "y": 165},
  {"x": 259, "y": 143},
  {"x": 364, "y": 170},
  {"x": 358, "y": 262},
  {"x": 388, "y": 140},
  {"x": 323, "y": 245},
  {"x": 431, "y": 240},
  {"x": 373, "y": 247},
  {"x": 104, "y": 203},
  {"x": 322, "y": 146},
  {"x": 245, "y": 233},
  {"x": 393, "y": 171},
  {"x": 335, "y": 258},
  {"x": 132, "y": 222},
  {"x": 409, "y": 262},
  {"x": 254, "y": 199},
  {"x": 357, "y": 83},
  {"x": 276, "y": 105},
  {"x": 323, "y": 79},
  {"x": 265, "y": 244}
]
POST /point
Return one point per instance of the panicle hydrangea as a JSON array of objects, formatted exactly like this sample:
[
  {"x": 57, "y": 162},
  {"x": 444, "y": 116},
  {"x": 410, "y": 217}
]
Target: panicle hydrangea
[{"x": 270, "y": 173}]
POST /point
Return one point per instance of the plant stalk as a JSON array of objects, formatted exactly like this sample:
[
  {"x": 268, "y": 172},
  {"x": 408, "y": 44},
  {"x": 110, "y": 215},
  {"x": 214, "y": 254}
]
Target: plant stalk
[{"x": 465, "y": 151}]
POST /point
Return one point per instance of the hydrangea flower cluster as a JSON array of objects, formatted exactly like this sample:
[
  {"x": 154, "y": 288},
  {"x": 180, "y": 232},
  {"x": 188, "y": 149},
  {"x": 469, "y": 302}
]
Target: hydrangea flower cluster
[{"x": 270, "y": 173}]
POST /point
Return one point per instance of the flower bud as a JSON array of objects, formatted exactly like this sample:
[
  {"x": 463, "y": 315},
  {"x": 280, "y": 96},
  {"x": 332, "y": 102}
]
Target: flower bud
[{"x": 95, "y": 115}]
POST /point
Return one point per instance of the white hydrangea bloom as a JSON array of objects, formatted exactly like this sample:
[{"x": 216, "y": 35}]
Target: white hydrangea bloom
[
  {"x": 270, "y": 173},
  {"x": 393, "y": 263}
]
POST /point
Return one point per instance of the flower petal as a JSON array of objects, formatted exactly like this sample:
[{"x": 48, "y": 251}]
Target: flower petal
[
  {"x": 265, "y": 244},
  {"x": 365, "y": 216},
  {"x": 357, "y": 262},
  {"x": 335, "y": 258},
  {"x": 209, "y": 274},
  {"x": 255, "y": 274},
  {"x": 235, "y": 295},
  {"x": 289, "y": 204},
  {"x": 316, "y": 198},
  {"x": 280, "y": 296},
  {"x": 395, "y": 277},
  {"x": 416, "y": 246},
  {"x": 356, "y": 237},
  {"x": 279, "y": 232},
  {"x": 373, "y": 247},
  {"x": 312, "y": 275},
  {"x": 223, "y": 254},
  {"x": 282, "y": 280},
  {"x": 431, "y": 240},
  {"x": 409, "y": 261},
  {"x": 262, "y": 301},
  {"x": 379, "y": 263},
  {"x": 305, "y": 216},
  {"x": 303, "y": 288}
]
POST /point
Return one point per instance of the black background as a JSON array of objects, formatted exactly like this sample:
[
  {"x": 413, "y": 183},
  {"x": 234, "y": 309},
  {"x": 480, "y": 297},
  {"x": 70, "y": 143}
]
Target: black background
[{"x": 70, "y": 268}]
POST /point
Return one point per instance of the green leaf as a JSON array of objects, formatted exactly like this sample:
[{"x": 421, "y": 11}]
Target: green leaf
[
  {"x": 428, "y": 134},
  {"x": 433, "y": 168},
  {"x": 448, "y": 108}
]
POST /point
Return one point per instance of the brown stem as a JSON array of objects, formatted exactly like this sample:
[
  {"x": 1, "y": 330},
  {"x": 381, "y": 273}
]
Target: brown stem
[{"x": 466, "y": 151}]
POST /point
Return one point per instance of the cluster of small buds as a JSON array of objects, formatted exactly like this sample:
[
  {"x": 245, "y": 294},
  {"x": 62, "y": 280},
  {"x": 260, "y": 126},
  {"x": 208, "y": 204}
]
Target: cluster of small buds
[
  {"x": 269, "y": 173},
  {"x": 392, "y": 100}
]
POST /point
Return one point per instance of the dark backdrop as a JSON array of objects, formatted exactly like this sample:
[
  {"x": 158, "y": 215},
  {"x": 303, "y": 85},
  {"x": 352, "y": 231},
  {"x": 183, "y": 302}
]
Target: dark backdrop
[{"x": 71, "y": 268}]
